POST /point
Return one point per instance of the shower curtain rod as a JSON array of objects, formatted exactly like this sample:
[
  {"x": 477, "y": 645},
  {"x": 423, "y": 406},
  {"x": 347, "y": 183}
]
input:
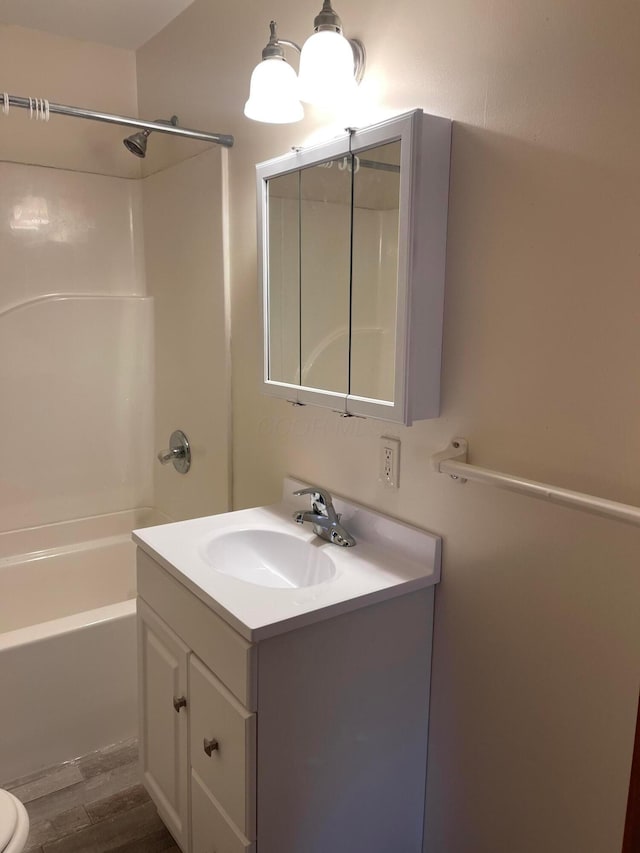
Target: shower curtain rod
[{"x": 125, "y": 121}]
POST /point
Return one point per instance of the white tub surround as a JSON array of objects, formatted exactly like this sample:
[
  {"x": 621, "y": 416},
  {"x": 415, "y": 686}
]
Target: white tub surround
[
  {"x": 391, "y": 558},
  {"x": 76, "y": 347}
]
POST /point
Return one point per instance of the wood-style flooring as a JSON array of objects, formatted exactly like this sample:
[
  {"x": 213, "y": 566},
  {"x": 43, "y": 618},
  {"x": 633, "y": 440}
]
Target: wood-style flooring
[{"x": 94, "y": 804}]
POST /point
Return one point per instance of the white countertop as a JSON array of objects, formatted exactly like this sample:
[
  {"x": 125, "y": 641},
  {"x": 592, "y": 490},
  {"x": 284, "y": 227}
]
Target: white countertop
[{"x": 390, "y": 558}]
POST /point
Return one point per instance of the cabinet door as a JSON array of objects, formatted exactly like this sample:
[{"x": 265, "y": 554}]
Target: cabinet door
[
  {"x": 400, "y": 197},
  {"x": 223, "y": 747},
  {"x": 212, "y": 833},
  {"x": 162, "y": 677},
  {"x": 304, "y": 219}
]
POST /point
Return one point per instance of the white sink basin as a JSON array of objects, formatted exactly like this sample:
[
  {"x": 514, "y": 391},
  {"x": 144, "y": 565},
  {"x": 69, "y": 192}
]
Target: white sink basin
[
  {"x": 264, "y": 574},
  {"x": 268, "y": 558}
]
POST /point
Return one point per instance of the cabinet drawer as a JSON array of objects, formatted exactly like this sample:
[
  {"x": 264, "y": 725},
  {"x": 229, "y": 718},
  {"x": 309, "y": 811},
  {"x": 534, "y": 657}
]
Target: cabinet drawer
[
  {"x": 229, "y": 655},
  {"x": 212, "y": 833},
  {"x": 229, "y": 770}
]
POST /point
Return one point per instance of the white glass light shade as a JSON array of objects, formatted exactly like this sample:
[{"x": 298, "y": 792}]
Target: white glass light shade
[
  {"x": 273, "y": 93},
  {"x": 326, "y": 69}
]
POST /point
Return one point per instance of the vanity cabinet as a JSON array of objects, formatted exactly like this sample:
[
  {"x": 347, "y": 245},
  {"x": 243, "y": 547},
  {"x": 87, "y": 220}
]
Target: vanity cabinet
[
  {"x": 197, "y": 737},
  {"x": 352, "y": 242},
  {"x": 314, "y": 739}
]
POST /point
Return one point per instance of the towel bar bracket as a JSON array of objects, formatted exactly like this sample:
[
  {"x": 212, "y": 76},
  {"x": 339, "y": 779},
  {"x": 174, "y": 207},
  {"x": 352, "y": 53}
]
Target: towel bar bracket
[{"x": 457, "y": 451}]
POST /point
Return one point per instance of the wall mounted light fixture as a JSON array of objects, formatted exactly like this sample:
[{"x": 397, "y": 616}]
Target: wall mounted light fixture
[{"x": 331, "y": 66}]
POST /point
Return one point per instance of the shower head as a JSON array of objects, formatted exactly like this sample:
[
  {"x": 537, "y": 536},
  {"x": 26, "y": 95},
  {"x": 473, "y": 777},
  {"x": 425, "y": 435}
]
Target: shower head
[{"x": 137, "y": 142}]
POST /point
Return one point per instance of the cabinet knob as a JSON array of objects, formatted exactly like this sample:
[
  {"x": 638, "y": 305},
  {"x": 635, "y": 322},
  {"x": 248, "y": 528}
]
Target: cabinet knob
[
  {"x": 179, "y": 702},
  {"x": 210, "y": 745}
]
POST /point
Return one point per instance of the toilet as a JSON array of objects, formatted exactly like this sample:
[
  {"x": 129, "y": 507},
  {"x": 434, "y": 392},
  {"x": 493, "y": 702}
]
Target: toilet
[{"x": 14, "y": 824}]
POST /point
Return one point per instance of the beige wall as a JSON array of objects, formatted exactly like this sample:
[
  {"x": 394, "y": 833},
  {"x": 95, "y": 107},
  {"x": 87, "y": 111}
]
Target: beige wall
[
  {"x": 184, "y": 249},
  {"x": 537, "y": 636},
  {"x": 67, "y": 71}
]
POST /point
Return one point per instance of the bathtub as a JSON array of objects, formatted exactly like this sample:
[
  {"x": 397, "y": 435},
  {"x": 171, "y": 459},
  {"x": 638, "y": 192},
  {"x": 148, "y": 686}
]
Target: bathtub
[{"x": 67, "y": 640}]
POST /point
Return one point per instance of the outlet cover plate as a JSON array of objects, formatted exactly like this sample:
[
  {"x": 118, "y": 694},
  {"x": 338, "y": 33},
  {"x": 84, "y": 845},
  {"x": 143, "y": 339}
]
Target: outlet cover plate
[{"x": 389, "y": 469}]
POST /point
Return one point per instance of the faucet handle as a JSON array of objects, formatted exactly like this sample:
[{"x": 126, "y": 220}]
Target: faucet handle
[
  {"x": 320, "y": 498},
  {"x": 310, "y": 490}
]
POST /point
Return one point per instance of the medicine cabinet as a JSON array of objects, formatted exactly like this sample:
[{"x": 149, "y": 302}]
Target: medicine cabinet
[{"x": 352, "y": 239}]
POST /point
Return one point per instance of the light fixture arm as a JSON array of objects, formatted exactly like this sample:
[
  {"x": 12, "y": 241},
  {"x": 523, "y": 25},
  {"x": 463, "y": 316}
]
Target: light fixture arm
[
  {"x": 292, "y": 44},
  {"x": 274, "y": 50},
  {"x": 359, "y": 58}
]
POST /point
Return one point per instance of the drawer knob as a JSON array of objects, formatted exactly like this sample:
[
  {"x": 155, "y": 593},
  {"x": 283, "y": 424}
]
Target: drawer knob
[
  {"x": 179, "y": 702},
  {"x": 210, "y": 745}
]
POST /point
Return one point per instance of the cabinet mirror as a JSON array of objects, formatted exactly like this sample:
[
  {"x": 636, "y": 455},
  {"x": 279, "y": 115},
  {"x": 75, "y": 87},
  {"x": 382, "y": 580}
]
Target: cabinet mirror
[
  {"x": 374, "y": 275},
  {"x": 352, "y": 237}
]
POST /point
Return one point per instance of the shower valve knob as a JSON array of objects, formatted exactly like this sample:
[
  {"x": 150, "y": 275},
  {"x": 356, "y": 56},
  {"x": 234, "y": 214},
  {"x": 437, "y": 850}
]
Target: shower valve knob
[
  {"x": 179, "y": 452},
  {"x": 165, "y": 456}
]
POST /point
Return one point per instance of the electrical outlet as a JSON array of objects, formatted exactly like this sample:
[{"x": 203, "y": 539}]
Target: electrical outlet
[{"x": 389, "y": 461}]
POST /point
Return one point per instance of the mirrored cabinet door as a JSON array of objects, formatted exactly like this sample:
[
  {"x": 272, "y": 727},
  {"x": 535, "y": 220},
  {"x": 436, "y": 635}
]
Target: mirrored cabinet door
[
  {"x": 374, "y": 278},
  {"x": 283, "y": 317},
  {"x": 352, "y": 238},
  {"x": 325, "y": 257}
]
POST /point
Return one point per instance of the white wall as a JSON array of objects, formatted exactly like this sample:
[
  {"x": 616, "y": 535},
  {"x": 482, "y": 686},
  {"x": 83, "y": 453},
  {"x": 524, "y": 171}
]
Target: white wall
[
  {"x": 536, "y": 655},
  {"x": 76, "y": 328}
]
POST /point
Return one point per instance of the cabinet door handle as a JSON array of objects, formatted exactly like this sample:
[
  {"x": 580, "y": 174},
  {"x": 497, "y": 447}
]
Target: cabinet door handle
[
  {"x": 210, "y": 745},
  {"x": 179, "y": 702}
]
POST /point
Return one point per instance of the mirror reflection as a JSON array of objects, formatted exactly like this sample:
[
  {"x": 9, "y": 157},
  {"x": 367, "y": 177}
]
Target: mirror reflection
[
  {"x": 283, "y": 311},
  {"x": 332, "y": 274},
  {"x": 309, "y": 219},
  {"x": 376, "y": 196},
  {"x": 325, "y": 238}
]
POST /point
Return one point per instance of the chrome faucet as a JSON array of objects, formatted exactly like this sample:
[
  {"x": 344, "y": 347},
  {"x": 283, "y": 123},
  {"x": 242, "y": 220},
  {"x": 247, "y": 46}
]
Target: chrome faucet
[{"x": 325, "y": 520}]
